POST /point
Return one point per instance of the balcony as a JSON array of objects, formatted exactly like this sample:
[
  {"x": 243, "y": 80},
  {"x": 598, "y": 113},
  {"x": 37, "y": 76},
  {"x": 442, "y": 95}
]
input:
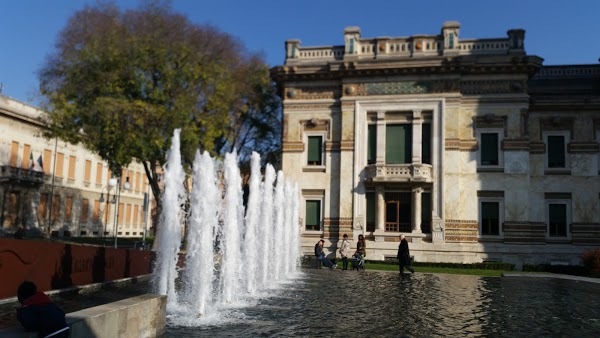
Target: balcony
[
  {"x": 15, "y": 175},
  {"x": 398, "y": 173}
]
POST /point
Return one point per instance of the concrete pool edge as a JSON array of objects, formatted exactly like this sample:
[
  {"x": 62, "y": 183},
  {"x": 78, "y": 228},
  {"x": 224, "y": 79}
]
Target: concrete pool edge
[{"x": 552, "y": 275}]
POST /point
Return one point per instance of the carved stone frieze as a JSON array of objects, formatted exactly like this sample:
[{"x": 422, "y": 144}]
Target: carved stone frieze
[
  {"x": 454, "y": 144},
  {"x": 492, "y": 87},
  {"x": 288, "y": 107},
  {"x": 292, "y": 147},
  {"x": 312, "y": 93}
]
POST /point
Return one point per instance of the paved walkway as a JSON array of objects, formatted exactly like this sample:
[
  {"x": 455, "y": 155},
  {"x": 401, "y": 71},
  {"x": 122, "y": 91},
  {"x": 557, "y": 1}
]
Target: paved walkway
[{"x": 551, "y": 275}]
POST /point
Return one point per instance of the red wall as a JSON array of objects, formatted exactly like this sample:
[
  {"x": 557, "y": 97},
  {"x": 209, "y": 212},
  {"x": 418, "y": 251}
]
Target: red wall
[{"x": 57, "y": 265}]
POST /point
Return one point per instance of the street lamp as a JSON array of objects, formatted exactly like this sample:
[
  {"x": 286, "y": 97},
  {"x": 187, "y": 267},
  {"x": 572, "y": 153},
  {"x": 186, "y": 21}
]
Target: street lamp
[
  {"x": 111, "y": 184},
  {"x": 117, "y": 182}
]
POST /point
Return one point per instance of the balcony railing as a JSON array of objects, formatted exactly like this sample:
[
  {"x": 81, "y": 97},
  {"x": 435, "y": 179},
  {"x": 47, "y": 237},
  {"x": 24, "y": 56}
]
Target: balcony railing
[
  {"x": 399, "y": 173},
  {"x": 16, "y": 175}
]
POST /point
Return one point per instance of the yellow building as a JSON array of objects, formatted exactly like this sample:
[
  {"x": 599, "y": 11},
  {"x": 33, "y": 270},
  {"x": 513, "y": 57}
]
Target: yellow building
[
  {"x": 470, "y": 147},
  {"x": 61, "y": 189}
]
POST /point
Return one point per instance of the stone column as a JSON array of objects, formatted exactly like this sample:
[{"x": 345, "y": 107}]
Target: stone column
[
  {"x": 380, "y": 206},
  {"x": 417, "y": 137},
  {"x": 380, "y": 156},
  {"x": 416, "y": 210}
]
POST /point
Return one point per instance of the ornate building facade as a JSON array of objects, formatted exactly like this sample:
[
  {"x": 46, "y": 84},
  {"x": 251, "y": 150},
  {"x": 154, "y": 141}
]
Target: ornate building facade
[
  {"x": 59, "y": 189},
  {"x": 470, "y": 147}
]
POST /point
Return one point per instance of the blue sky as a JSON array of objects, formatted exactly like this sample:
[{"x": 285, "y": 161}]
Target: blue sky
[{"x": 562, "y": 32}]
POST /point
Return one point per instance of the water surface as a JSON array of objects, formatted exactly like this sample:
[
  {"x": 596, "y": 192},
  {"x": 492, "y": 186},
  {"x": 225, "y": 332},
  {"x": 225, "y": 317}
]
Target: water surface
[{"x": 323, "y": 303}]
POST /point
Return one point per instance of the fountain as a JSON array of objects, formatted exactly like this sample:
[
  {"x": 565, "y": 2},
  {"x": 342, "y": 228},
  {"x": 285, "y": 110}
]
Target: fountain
[{"x": 233, "y": 254}]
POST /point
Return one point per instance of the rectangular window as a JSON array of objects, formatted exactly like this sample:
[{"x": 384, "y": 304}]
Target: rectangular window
[
  {"x": 371, "y": 211},
  {"x": 60, "y": 162},
  {"x": 14, "y": 153},
  {"x": 56, "y": 207},
  {"x": 490, "y": 218},
  {"x": 96, "y": 211},
  {"x": 398, "y": 208},
  {"x": 426, "y": 143},
  {"x": 135, "y": 216},
  {"x": 137, "y": 182},
  {"x": 72, "y": 162},
  {"x": 398, "y": 143},
  {"x": 43, "y": 208},
  {"x": 26, "y": 163},
  {"x": 88, "y": 171},
  {"x": 557, "y": 220},
  {"x": 68, "y": 208},
  {"x": 372, "y": 143},
  {"x": 46, "y": 161},
  {"x": 85, "y": 205},
  {"x": 489, "y": 151},
  {"x": 557, "y": 151},
  {"x": 128, "y": 214},
  {"x": 313, "y": 215},
  {"x": 315, "y": 150},
  {"x": 99, "y": 168},
  {"x": 120, "y": 212}
]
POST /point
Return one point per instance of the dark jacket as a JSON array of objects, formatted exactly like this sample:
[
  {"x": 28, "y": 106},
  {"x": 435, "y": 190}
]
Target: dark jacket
[
  {"x": 38, "y": 313},
  {"x": 318, "y": 250},
  {"x": 361, "y": 247},
  {"x": 403, "y": 252}
]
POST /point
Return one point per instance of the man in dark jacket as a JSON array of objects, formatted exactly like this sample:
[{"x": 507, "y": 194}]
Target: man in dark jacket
[
  {"x": 38, "y": 313},
  {"x": 404, "y": 255},
  {"x": 321, "y": 255}
]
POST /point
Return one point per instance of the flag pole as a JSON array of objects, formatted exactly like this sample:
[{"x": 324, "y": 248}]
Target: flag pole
[{"x": 52, "y": 189}]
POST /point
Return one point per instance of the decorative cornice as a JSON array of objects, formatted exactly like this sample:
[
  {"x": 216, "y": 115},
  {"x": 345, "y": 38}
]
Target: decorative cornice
[
  {"x": 490, "y": 193},
  {"x": 492, "y": 87},
  {"x": 454, "y": 144},
  {"x": 312, "y": 93},
  {"x": 583, "y": 147},
  {"x": 515, "y": 145},
  {"x": 313, "y": 192},
  {"x": 309, "y": 106},
  {"x": 292, "y": 147},
  {"x": 537, "y": 147}
]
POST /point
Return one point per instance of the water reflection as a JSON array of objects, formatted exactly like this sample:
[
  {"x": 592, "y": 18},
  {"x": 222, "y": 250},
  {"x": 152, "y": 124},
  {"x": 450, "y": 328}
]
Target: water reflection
[{"x": 383, "y": 304}]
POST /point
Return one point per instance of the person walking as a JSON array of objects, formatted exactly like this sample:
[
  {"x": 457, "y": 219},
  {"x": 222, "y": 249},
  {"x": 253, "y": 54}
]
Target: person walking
[
  {"x": 345, "y": 251},
  {"x": 404, "y": 255},
  {"x": 321, "y": 255}
]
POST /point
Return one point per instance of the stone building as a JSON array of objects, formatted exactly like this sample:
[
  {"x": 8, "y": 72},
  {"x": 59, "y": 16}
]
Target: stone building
[
  {"x": 470, "y": 147},
  {"x": 61, "y": 189}
]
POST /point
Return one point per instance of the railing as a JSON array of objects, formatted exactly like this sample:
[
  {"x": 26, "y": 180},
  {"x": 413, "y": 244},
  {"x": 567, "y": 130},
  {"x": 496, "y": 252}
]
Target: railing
[
  {"x": 321, "y": 53},
  {"x": 20, "y": 175},
  {"x": 483, "y": 46},
  {"x": 584, "y": 71},
  {"x": 400, "y": 48},
  {"x": 397, "y": 227},
  {"x": 399, "y": 172}
]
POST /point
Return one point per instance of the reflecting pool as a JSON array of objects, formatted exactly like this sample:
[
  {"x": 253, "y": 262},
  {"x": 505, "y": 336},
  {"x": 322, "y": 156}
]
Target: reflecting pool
[{"x": 323, "y": 303}]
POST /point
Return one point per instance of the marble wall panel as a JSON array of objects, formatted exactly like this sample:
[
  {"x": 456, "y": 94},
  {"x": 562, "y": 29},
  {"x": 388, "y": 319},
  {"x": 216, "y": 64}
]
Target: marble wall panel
[
  {"x": 516, "y": 162},
  {"x": 584, "y": 164}
]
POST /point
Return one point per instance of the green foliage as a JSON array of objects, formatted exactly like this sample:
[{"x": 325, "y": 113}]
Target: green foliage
[
  {"x": 575, "y": 270},
  {"x": 121, "y": 81}
]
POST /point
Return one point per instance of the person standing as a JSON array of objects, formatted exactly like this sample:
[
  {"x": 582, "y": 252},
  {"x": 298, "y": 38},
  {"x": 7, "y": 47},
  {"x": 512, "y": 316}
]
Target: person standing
[
  {"x": 404, "y": 255},
  {"x": 321, "y": 255},
  {"x": 345, "y": 251},
  {"x": 38, "y": 313},
  {"x": 361, "y": 247}
]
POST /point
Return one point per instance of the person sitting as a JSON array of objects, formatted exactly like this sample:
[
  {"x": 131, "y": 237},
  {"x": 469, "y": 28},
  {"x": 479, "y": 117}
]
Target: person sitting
[
  {"x": 321, "y": 255},
  {"x": 38, "y": 313}
]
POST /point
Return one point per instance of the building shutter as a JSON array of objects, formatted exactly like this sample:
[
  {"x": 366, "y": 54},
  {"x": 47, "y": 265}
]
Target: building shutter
[
  {"x": 556, "y": 151},
  {"x": 372, "y": 143},
  {"x": 398, "y": 144},
  {"x": 314, "y": 150},
  {"x": 489, "y": 149}
]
